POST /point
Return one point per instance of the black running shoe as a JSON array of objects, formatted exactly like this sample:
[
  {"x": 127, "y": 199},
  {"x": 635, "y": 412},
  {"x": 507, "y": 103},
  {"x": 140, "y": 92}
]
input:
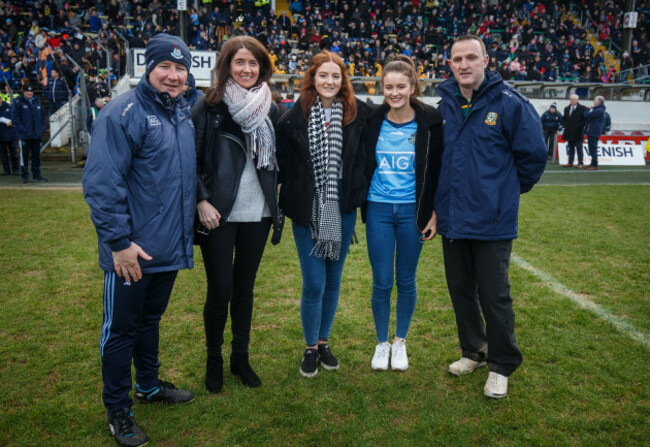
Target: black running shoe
[
  {"x": 125, "y": 430},
  {"x": 309, "y": 365},
  {"x": 165, "y": 392},
  {"x": 326, "y": 357}
]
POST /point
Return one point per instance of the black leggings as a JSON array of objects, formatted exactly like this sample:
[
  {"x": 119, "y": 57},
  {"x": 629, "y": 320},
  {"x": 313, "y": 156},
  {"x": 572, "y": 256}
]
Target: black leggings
[{"x": 232, "y": 281}]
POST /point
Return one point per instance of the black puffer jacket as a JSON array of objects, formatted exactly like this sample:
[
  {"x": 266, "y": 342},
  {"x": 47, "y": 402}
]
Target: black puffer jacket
[
  {"x": 221, "y": 157},
  {"x": 297, "y": 170},
  {"x": 428, "y": 154}
]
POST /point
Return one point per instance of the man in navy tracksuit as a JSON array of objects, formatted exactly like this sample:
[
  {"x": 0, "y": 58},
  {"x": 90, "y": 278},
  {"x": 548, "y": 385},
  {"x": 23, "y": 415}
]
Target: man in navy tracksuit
[
  {"x": 140, "y": 183},
  {"x": 594, "y": 125},
  {"x": 494, "y": 151},
  {"x": 28, "y": 117}
]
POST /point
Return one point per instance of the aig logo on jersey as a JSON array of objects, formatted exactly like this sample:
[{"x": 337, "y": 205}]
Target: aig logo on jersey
[{"x": 491, "y": 119}]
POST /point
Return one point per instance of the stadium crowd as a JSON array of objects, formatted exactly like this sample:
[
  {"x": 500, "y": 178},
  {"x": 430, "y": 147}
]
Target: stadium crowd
[{"x": 526, "y": 40}]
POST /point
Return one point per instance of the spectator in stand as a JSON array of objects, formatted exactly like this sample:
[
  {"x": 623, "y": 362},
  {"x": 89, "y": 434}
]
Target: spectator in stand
[
  {"x": 573, "y": 122},
  {"x": 191, "y": 92},
  {"x": 28, "y": 116},
  {"x": 594, "y": 125},
  {"x": 94, "y": 111},
  {"x": 7, "y": 140},
  {"x": 94, "y": 23},
  {"x": 551, "y": 123},
  {"x": 56, "y": 91}
]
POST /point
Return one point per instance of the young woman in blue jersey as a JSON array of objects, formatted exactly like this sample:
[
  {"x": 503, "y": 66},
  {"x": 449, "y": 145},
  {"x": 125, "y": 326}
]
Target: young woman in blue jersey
[{"x": 405, "y": 148}]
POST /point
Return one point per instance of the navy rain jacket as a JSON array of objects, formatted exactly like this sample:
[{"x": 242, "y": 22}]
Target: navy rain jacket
[
  {"x": 140, "y": 180},
  {"x": 492, "y": 156},
  {"x": 6, "y": 133},
  {"x": 595, "y": 121},
  {"x": 28, "y": 118},
  {"x": 552, "y": 121}
]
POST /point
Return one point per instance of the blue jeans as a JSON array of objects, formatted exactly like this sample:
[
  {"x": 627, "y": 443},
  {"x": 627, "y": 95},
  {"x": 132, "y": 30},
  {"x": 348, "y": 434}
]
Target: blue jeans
[
  {"x": 321, "y": 281},
  {"x": 391, "y": 230}
]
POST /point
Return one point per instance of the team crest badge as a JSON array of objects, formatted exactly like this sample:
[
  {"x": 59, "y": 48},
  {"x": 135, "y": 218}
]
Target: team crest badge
[
  {"x": 412, "y": 138},
  {"x": 176, "y": 54},
  {"x": 491, "y": 119}
]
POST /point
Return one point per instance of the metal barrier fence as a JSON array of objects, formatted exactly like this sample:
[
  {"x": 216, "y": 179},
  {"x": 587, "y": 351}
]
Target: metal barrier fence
[{"x": 534, "y": 90}]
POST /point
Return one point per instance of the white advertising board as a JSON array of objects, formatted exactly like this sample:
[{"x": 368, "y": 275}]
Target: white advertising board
[
  {"x": 202, "y": 63},
  {"x": 609, "y": 153}
]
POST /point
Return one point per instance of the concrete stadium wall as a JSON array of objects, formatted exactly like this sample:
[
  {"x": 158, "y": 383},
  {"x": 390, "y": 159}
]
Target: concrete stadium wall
[{"x": 626, "y": 115}]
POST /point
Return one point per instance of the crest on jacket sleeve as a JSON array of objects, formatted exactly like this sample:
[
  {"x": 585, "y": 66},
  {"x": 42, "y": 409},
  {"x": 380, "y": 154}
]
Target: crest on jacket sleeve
[{"x": 491, "y": 119}]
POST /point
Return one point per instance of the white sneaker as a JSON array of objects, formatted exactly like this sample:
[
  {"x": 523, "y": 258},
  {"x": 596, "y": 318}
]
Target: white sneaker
[
  {"x": 496, "y": 386},
  {"x": 464, "y": 366},
  {"x": 399, "y": 360},
  {"x": 381, "y": 357}
]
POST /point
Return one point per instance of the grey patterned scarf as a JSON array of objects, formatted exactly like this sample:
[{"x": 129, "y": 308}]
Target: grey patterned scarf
[
  {"x": 250, "y": 109},
  {"x": 326, "y": 147}
]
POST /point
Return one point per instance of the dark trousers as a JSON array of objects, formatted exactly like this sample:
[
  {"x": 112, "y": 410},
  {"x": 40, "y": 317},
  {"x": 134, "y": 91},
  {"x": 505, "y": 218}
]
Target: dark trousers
[
  {"x": 593, "y": 150},
  {"x": 231, "y": 282},
  {"x": 132, "y": 312},
  {"x": 31, "y": 148},
  {"x": 573, "y": 146},
  {"x": 549, "y": 138},
  {"x": 477, "y": 278},
  {"x": 9, "y": 156}
]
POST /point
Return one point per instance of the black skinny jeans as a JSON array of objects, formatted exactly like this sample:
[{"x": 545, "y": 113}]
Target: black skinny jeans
[{"x": 232, "y": 281}]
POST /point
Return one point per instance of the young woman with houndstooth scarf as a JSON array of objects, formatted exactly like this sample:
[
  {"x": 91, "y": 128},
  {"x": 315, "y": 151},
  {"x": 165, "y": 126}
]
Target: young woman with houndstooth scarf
[{"x": 321, "y": 159}]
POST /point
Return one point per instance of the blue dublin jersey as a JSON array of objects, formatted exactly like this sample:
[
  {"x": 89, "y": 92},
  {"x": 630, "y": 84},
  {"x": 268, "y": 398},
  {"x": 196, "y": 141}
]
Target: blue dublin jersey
[{"x": 394, "y": 178}]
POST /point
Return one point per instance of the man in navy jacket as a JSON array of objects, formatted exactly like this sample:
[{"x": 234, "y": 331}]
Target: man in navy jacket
[
  {"x": 56, "y": 91},
  {"x": 7, "y": 140},
  {"x": 28, "y": 117},
  {"x": 494, "y": 151},
  {"x": 594, "y": 125},
  {"x": 140, "y": 183}
]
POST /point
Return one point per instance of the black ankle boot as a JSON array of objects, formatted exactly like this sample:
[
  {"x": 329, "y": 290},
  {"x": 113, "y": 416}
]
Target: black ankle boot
[
  {"x": 240, "y": 367},
  {"x": 214, "y": 373}
]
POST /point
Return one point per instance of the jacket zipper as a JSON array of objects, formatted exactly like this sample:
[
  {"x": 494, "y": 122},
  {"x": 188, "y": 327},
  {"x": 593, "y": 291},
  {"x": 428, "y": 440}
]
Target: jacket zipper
[
  {"x": 426, "y": 167},
  {"x": 232, "y": 200}
]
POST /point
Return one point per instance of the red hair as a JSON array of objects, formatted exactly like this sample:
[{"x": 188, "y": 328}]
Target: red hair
[{"x": 345, "y": 95}]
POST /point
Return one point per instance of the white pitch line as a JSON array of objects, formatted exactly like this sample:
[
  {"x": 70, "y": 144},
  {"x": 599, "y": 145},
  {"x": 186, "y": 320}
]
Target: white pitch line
[
  {"x": 618, "y": 322},
  {"x": 606, "y": 171},
  {"x": 545, "y": 185}
]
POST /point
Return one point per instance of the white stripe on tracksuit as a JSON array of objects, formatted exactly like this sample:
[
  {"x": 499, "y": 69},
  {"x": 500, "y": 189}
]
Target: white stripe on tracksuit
[{"x": 109, "y": 294}]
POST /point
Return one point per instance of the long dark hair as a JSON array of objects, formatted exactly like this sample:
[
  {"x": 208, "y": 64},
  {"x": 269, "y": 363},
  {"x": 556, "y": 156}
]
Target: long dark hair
[
  {"x": 214, "y": 95},
  {"x": 308, "y": 91}
]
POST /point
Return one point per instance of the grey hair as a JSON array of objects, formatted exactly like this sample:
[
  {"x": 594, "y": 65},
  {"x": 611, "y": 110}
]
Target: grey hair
[
  {"x": 574, "y": 95},
  {"x": 600, "y": 99}
]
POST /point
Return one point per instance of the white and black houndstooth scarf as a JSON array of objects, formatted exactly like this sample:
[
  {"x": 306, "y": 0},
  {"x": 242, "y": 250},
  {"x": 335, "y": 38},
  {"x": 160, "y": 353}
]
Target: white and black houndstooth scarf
[
  {"x": 326, "y": 148},
  {"x": 250, "y": 109}
]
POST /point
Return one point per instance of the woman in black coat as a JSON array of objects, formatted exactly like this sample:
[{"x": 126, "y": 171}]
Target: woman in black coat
[
  {"x": 236, "y": 194},
  {"x": 322, "y": 163}
]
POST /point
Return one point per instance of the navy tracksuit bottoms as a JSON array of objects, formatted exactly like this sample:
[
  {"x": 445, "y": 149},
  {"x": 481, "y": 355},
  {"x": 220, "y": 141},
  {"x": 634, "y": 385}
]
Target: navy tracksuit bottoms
[{"x": 132, "y": 312}]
